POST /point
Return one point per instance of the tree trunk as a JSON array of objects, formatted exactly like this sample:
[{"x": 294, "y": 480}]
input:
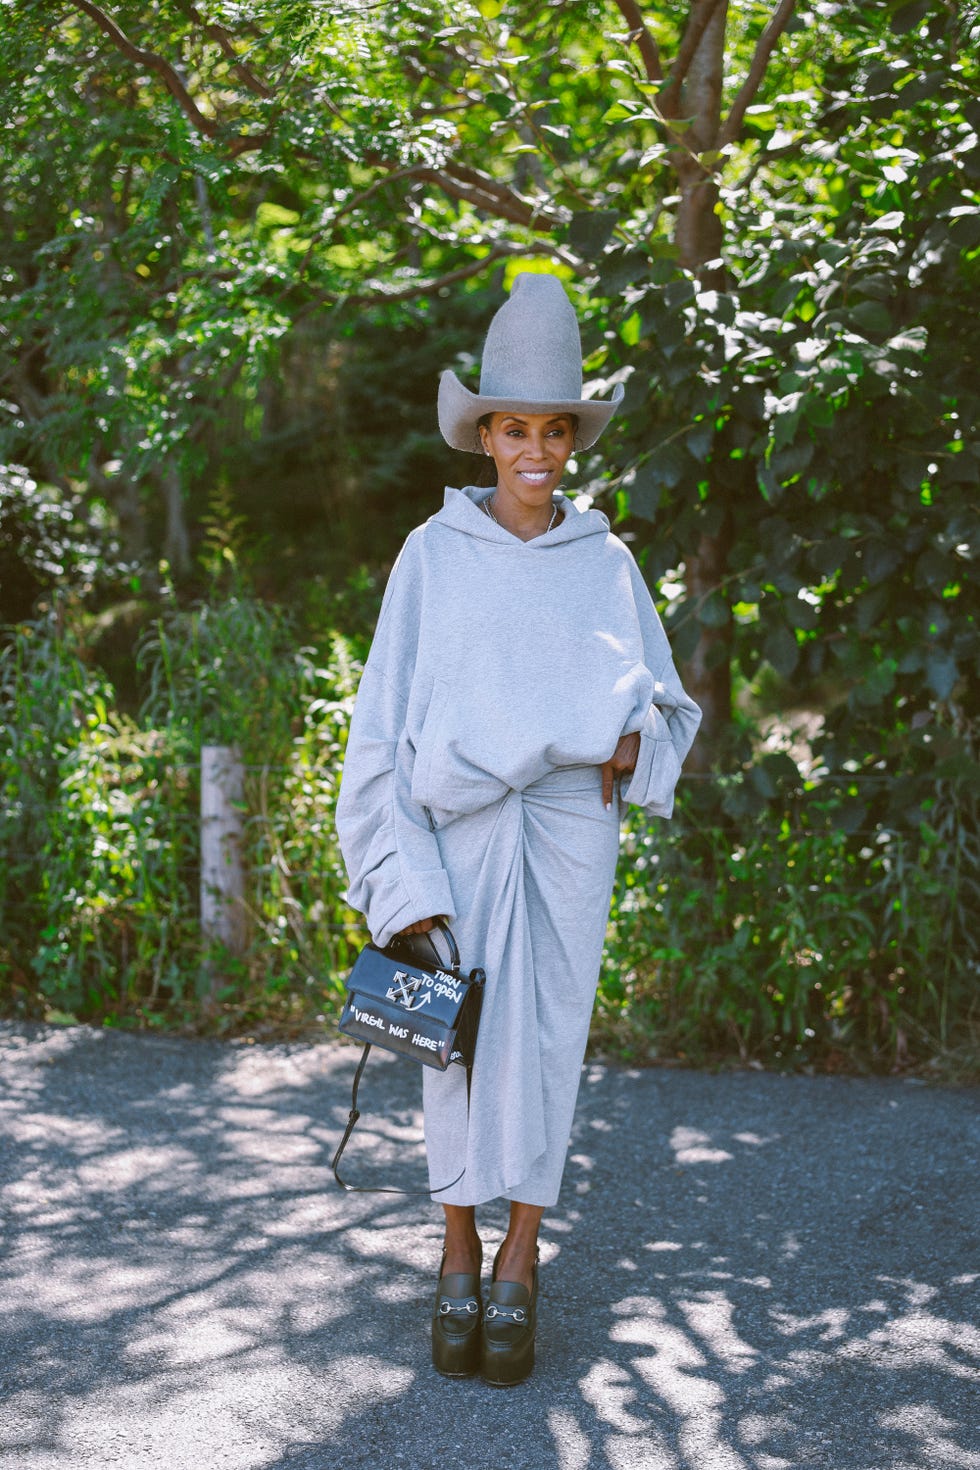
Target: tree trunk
[
  {"x": 223, "y": 913},
  {"x": 177, "y": 542},
  {"x": 698, "y": 236},
  {"x": 698, "y": 232},
  {"x": 708, "y": 672}
]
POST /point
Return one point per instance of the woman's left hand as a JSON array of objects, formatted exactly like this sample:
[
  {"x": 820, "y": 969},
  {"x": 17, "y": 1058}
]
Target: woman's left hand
[{"x": 620, "y": 763}]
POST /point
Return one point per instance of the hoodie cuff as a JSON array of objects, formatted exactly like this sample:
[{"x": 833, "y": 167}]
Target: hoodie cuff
[
  {"x": 423, "y": 895},
  {"x": 657, "y": 768}
]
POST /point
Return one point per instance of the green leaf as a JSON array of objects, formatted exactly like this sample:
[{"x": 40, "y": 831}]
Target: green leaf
[
  {"x": 685, "y": 630},
  {"x": 718, "y": 306},
  {"x": 762, "y": 781},
  {"x": 769, "y": 484},
  {"x": 941, "y": 674},
  {"x": 645, "y": 493},
  {"x": 621, "y": 268},
  {"x": 617, "y": 113},
  {"x": 870, "y": 317},
  {"x": 499, "y": 103},
  {"x": 881, "y": 559},
  {"x": 679, "y": 293},
  {"x": 919, "y": 88},
  {"x": 790, "y": 462},
  {"x": 781, "y": 650},
  {"x": 913, "y": 471},
  {"x": 933, "y": 570},
  {"x": 965, "y": 229},
  {"x": 668, "y": 464},
  {"x": 961, "y": 469},
  {"x": 786, "y": 419},
  {"x": 905, "y": 17},
  {"x": 818, "y": 411},
  {"x": 590, "y": 231},
  {"x": 630, "y": 329},
  {"x": 699, "y": 440},
  {"x": 877, "y": 684},
  {"x": 801, "y": 614},
  {"x": 781, "y": 766},
  {"x": 714, "y": 611}
]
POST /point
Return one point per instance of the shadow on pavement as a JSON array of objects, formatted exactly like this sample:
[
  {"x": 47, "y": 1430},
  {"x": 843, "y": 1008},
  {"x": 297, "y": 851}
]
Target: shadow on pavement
[{"x": 743, "y": 1271}]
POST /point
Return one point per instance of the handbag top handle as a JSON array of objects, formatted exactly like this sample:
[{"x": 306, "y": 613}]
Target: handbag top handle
[{"x": 410, "y": 941}]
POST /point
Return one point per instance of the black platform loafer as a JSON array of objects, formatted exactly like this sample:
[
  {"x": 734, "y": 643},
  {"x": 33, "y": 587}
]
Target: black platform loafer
[
  {"x": 456, "y": 1319},
  {"x": 508, "y": 1332}
]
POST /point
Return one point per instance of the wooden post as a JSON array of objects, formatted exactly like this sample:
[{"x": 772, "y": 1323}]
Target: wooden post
[{"x": 223, "y": 916}]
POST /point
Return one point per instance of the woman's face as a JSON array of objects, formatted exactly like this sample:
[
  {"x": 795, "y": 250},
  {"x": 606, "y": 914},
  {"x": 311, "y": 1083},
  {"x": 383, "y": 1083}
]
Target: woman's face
[{"x": 530, "y": 451}]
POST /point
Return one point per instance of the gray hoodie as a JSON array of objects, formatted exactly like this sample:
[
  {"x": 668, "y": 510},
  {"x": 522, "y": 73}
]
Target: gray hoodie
[{"x": 496, "y": 661}]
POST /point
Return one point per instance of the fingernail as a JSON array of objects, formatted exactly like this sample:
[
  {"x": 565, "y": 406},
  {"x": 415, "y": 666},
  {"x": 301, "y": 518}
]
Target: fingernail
[{"x": 608, "y": 806}]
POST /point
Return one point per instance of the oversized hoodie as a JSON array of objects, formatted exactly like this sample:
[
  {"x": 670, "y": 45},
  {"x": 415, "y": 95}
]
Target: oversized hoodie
[{"x": 496, "y": 661}]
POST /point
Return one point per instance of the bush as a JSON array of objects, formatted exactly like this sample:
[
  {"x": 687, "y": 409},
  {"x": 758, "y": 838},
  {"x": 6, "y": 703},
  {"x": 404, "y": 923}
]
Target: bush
[
  {"x": 99, "y": 836},
  {"x": 790, "y": 938}
]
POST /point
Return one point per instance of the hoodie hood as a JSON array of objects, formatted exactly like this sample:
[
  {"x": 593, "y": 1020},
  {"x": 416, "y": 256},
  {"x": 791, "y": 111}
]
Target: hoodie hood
[{"x": 463, "y": 511}]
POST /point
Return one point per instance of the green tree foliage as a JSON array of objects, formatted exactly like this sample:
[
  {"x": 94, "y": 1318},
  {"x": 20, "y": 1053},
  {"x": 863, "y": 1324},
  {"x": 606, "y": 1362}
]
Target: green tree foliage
[
  {"x": 818, "y": 419},
  {"x": 242, "y": 240},
  {"x": 187, "y": 186}
]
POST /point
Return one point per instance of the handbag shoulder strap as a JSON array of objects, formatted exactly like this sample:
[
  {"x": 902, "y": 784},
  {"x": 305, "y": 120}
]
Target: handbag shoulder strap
[
  {"x": 411, "y": 943},
  {"x": 352, "y": 1118}
]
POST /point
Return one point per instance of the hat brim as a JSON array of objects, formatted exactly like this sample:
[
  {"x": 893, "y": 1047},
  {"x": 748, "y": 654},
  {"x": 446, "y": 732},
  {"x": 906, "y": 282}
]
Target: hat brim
[{"x": 460, "y": 411}]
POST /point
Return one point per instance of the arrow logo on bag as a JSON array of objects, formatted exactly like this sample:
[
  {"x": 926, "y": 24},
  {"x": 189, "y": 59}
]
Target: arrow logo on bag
[{"x": 405, "y": 994}]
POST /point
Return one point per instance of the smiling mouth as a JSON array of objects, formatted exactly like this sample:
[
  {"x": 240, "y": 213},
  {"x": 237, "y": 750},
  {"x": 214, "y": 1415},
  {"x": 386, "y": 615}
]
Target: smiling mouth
[{"x": 535, "y": 476}]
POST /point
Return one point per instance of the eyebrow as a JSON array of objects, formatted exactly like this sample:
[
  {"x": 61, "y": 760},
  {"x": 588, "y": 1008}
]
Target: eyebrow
[{"x": 557, "y": 418}]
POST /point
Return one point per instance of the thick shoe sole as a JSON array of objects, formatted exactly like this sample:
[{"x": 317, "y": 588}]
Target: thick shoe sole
[{"x": 506, "y": 1368}]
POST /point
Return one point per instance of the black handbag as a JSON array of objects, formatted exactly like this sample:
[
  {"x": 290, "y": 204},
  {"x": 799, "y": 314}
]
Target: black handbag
[{"x": 407, "y": 1000}]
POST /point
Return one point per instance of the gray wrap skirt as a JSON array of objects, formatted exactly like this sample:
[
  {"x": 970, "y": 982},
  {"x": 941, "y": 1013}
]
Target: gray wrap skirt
[{"x": 532, "y": 879}]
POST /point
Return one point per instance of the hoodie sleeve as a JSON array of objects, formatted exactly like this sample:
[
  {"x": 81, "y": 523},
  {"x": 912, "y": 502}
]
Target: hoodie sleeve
[
  {"x": 390, "y": 851},
  {"x": 668, "y": 727}
]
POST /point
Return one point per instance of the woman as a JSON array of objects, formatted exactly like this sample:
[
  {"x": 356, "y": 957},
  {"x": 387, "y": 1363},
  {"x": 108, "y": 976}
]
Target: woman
[{"x": 519, "y": 672}]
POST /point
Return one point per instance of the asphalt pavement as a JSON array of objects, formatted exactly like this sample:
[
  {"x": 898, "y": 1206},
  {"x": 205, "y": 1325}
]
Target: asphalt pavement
[{"x": 745, "y": 1271}]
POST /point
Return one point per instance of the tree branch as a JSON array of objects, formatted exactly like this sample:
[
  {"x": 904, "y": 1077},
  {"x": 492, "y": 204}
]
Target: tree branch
[
  {"x": 223, "y": 38},
  {"x": 487, "y": 194},
  {"x": 732, "y": 125},
  {"x": 170, "y": 77},
  {"x": 459, "y": 182},
  {"x": 649, "y": 50},
  {"x": 668, "y": 100},
  {"x": 461, "y": 273},
  {"x": 152, "y": 62}
]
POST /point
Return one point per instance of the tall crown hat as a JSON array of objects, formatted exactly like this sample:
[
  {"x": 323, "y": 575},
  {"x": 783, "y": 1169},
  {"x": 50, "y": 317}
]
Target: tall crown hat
[{"x": 532, "y": 363}]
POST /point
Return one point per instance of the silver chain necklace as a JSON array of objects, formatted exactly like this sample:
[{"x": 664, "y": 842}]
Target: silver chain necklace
[{"x": 489, "y": 510}]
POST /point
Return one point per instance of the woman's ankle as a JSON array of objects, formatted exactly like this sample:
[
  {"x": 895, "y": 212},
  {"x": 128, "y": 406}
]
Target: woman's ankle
[
  {"x": 462, "y": 1255},
  {"x": 516, "y": 1261}
]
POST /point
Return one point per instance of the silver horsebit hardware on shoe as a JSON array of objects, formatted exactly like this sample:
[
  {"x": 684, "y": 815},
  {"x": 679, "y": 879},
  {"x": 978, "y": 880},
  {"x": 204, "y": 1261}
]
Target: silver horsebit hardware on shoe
[
  {"x": 449, "y": 1308},
  {"x": 517, "y": 1314}
]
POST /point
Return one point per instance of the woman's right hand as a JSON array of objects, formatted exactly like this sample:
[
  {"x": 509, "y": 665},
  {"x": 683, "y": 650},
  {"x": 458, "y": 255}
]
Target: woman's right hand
[{"x": 421, "y": 926}]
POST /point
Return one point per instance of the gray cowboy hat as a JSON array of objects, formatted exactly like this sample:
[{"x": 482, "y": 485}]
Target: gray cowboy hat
[{"x": 532, "y": 363}]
